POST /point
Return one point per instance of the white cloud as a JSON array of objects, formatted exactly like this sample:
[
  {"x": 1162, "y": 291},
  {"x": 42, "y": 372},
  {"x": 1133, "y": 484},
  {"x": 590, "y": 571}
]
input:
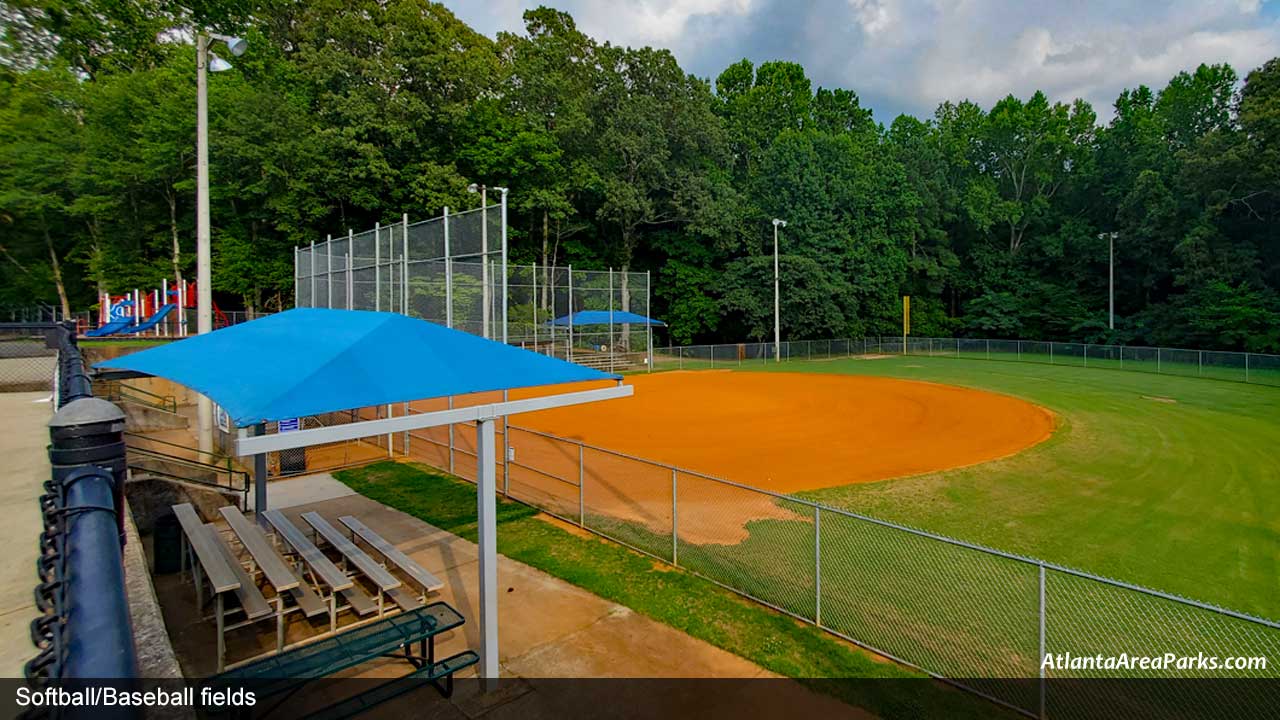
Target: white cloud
[{"x": 909, "y": 55}]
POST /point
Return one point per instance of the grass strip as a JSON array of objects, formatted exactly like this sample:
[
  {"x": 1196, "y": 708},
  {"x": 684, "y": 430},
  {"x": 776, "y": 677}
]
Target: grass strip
[{"x": 669, "y": 595}]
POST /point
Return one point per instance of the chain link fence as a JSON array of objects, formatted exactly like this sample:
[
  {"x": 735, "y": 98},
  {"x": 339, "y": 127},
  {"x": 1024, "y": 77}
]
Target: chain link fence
[
  {"x": 976, "y": 617},
  {"x": 1245, "y": 367},
  {"x": 27, "y": 362},
  {"x": 453, "y": 271}
]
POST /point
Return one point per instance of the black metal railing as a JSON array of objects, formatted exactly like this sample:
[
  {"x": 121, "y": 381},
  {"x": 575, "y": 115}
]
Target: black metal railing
[{"x": 84, "y": 629}]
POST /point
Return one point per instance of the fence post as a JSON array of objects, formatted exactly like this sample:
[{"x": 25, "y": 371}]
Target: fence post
[
  {"x": 1157, "y": 361},
  {"x": 404, "y": 263},
  {"x": 377, "y": 267},
  {"x": 451, "y": 472},
  {"x": 988, "y": 349},
  {"x": 1246, "y": 367},
  {"x": 1050, "y": 353},
  {"x": 817, "y": 565},
  {"x": 1086, "y": 354},
  {"x": 448, "y": 273},
  {"x": 1199, "y": 363},
  {"x": 1040, "y": 659},
  {"x": 957, "y": 347},
  {"x": 1019, "y": 351},
  {"x": 675, "y": 522},
  {"x": 582, "y": 474},
  {"x": 506, "y": 452}
]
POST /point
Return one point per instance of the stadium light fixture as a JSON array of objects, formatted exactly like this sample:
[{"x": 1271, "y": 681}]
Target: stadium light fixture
[
  {"x": 777, "y": 303},
  {"x": 217, "y": 64}
]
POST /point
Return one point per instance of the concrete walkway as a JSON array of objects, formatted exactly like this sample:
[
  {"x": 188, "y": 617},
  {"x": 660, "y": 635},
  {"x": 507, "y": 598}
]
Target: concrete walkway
[{"x": 24, "y": 433}]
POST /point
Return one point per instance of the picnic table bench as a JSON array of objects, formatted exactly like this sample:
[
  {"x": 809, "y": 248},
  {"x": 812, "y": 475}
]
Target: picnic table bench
[
  {"x": 281, "y": 675},
  {"x": 428, "y": 582}
]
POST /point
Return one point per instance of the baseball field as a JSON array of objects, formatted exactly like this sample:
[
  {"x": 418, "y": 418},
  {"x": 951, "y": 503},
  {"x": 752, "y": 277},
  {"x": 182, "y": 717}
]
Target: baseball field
[{"x": 1164, "y": 481}]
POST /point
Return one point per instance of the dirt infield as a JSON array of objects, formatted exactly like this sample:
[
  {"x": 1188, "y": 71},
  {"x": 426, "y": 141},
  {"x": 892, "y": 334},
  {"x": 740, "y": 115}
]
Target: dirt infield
[
  {"x": 801, "y": 431},
  {"x": 777, "y": 431}
]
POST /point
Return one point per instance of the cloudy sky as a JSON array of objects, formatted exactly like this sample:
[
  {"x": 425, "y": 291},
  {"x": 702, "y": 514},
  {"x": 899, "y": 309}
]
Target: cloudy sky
[{"x": 908, "y": 55}]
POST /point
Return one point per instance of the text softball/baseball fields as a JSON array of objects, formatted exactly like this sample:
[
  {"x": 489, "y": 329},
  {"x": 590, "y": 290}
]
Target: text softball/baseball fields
[{"x": 109, "y": 696}]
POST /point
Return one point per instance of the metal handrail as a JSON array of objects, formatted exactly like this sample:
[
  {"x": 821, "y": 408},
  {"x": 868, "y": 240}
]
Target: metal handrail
[
  {"x": 242, "y": 486},
  {"x": 117, "y": 390},
  {"x": 220, "y": 459}
]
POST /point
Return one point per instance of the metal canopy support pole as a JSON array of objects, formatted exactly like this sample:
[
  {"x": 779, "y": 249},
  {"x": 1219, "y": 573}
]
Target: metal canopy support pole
[
  {"x": 404, "y": 264},
  {"x": 377, "y": 266},
  {"x": 448, "y": 283},
  {"x": 487, "y": 511},
  {"x": 505, "y": 279},
  {"x": 259, "y": 476},
  {"x": 328, "y": 268}
]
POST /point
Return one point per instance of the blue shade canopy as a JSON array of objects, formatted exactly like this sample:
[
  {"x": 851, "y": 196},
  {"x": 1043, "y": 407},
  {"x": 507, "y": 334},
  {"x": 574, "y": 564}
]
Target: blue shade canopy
[
  {"x": 312, "y": 360},
  {"x": 601, "y": 317}
]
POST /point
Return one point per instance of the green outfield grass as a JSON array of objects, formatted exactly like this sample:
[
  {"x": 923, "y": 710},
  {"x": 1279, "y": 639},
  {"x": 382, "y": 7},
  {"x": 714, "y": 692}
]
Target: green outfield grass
[
  {"x": 681, "y": 600},
  {"x": 1166, "y": 481}
]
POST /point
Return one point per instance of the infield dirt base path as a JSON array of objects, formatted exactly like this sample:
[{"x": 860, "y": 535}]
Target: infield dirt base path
[
  {"x": 775, "y": 431},
  {"x": 802, "y": 431}
]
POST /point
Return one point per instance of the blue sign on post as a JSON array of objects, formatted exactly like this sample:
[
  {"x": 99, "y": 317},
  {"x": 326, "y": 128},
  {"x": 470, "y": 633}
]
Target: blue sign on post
[{"x": 290, "y": 425}]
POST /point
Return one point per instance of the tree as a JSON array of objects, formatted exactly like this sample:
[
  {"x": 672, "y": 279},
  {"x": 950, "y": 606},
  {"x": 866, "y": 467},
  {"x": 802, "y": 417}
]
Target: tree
[{"x": 39, "y": 139}]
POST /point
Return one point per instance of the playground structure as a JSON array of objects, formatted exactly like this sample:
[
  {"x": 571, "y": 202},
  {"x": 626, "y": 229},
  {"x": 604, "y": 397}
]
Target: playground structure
[
  {"x": 453, "y": 270},
  {"x": 160, "y": 312}
]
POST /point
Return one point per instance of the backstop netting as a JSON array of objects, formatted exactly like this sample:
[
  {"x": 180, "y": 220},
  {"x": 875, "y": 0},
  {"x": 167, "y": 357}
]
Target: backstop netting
[{"x": 449, "y": 270}]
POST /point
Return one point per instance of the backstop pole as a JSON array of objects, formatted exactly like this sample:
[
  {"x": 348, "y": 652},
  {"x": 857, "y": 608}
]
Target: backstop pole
[
  {"x": 569, "y": 346},
  {"x": 377, "y": 267},
  {"x": 505, "y": 279},
  {"x": 404, "y": 264},
  {"x": 448, "y": 274}
]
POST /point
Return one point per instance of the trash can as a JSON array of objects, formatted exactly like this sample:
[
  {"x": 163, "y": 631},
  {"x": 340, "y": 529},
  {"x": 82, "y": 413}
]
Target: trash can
[{"x": 166, "y": 544}]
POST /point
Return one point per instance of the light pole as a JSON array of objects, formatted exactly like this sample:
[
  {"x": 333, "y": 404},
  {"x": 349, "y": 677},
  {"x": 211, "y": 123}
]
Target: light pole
[
  {"x": 1111, "y": 277},
  {"x": 777, "y": 303},
  {"x": 206, "y": 61}
]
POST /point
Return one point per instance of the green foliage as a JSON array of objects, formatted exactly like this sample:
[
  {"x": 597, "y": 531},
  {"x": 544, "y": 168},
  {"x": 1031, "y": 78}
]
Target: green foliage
[{"x": 343, "y": 114}]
